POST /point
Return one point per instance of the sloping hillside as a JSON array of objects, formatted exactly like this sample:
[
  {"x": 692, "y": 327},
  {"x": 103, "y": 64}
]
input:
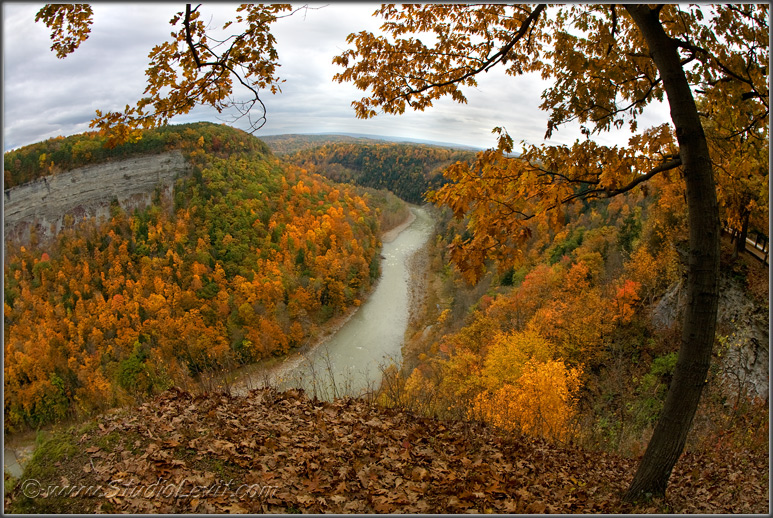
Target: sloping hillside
[
  {"x": 245, "y": 259},
  {"x": 282, "y": 452},
  {"x": 408, "y": 170}
]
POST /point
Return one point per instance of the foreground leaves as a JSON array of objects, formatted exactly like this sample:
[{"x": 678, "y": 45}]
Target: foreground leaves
[{"x": 296, "y": 454}]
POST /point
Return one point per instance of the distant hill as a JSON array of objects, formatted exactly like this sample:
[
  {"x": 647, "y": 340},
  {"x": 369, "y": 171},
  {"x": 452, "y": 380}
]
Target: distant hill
[
  {"x": 391, "y": 138},
  {"x": 290, "y": 143},
  {"x": 407, "y": 169}
]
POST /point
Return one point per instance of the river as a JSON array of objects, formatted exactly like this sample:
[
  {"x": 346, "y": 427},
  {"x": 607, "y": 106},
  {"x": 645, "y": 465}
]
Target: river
[{"x": 350, "y": 361}]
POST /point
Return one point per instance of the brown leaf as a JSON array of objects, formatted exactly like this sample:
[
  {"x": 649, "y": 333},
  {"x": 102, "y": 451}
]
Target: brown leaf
[
  {"x": 419, "y": 473},
  {"x": 234, "y": 509}
]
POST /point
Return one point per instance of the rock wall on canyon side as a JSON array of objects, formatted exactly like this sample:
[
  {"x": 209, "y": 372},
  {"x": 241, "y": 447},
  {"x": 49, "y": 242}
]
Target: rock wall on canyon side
[{"x": 88, "y": 192}]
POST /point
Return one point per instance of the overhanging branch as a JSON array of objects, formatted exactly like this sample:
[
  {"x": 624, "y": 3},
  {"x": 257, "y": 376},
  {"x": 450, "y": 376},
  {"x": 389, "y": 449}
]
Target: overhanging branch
[
  {"x": 665, "y": 166},
  {"x": 500, "y": 56},
  {"x": 188, "y": 35},
  {"x": 611, "y": 193},
  {"x": 590, "y": 193}
]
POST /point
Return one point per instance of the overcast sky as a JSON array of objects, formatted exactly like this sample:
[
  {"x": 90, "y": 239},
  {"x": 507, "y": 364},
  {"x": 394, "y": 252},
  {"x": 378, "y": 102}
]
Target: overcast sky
[{"x": 45, "y": 96}]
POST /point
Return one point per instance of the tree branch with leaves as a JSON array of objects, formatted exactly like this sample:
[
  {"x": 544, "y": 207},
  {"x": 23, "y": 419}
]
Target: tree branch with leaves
[
  {"x": 192, "y": 68},
  {"x": 606, "y": 63}
]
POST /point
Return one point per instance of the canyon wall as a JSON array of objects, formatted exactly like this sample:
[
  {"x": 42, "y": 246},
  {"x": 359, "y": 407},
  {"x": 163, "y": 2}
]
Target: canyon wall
[
  {"x": 742, "y": 331},
  {"x": 87, "y": 192}
]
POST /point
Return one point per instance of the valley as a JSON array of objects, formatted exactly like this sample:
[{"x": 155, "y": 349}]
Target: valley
[
  {"x": 198, "y": 267},
  {"x": 350, "y": 361}
]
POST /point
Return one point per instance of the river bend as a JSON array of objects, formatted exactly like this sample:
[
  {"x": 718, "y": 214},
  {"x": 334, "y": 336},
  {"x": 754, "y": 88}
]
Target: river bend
[{"x": 350, "y": 361}]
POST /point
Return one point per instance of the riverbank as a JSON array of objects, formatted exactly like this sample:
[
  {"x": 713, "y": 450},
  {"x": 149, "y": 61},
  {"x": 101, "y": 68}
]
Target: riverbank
[
  {"x": 273, "y": 372},
  {"x": 242, "y": 380},
  {"x": 268, "y": 373},
  {"x": 17, "y": 452},
  {"x": 418, "y": 269},
  {"x": 391, "y": 235}
]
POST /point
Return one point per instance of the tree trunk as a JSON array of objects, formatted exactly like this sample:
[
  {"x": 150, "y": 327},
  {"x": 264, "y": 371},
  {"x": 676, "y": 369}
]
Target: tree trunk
[
  {"x": 740, "y": 244},
  {"x": 700, "y": 317}
]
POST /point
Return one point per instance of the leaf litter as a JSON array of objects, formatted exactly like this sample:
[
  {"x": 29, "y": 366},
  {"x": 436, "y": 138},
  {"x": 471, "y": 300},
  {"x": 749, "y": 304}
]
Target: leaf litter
[{"x": 278, "y": 452}]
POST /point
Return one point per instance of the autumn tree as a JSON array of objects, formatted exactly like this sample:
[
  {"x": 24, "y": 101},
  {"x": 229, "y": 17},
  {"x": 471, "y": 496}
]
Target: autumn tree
[
  {"x": 740, "y": 163},
  {"x": 525, "y": 387},
  {"x": 606, "y": 63}
]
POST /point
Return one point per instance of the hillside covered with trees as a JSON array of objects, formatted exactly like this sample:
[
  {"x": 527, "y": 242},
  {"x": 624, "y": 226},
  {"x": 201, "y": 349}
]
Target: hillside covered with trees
[
  {"x": 574, "y": 342},
  {"x": 246, "y": 262},
  {"x": 408, "y": 170},
  {"x": 289, "y": 144}
]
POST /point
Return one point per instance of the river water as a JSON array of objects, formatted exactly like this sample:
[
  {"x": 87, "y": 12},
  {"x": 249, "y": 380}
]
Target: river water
[{"x": 350, "y": 362}]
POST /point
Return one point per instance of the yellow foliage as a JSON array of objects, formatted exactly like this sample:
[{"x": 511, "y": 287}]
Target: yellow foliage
[
  {"x": 653, "y": 273},
  {"x": 508, "y": 354},
  {"x": 541, "y": 402},
  {"x": 576, "y": 323},
  {"x": 418, "y": 392},
  {"x": 521, "y": 385},
  {"x": 443, "y": 316},
  {"x": 461, "y": 375}
]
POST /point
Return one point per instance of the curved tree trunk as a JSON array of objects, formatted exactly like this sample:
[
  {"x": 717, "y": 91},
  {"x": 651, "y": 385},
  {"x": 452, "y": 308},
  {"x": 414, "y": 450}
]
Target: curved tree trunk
[{"x": 699, "y": 324}]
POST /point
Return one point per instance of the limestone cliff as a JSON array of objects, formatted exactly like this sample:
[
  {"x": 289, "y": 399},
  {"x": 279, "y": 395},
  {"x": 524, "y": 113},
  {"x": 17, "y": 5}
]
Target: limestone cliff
[
  {"x": 88, "y": 191},
  {"x": 742, "y": 328}
]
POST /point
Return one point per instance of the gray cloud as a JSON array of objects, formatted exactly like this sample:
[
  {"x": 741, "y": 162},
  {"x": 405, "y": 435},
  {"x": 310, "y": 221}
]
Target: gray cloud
[{"x": 45, "y": 96}]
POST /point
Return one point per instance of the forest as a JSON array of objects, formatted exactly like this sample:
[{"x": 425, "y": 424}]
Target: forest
[
  {"x": 408, "y": 170},
  {"x": 590, "y": 332},
  {"x": 246, "y": 261},
  {"x": 574, "y": 343},
  {"x": 283, "y": 145}
]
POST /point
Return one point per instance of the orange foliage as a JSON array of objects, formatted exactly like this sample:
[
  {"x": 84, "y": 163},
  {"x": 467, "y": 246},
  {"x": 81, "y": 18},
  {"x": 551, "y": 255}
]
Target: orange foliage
[
  {"x": 627, "y": 297},
  {"x": 244, "y": 268}
]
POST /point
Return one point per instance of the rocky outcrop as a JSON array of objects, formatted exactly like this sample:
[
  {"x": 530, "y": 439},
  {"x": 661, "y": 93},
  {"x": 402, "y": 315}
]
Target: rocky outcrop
[
  {"x": 745, "y": 340},
  {"x": 88, "y": 192},
  {"x": 742, "y": 330}
]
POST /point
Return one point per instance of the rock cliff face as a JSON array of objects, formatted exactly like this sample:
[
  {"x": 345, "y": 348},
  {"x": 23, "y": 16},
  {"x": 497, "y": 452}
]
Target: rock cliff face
[
  {"x": 86, "y": 192},
  {"x": 742, "y": 328}
]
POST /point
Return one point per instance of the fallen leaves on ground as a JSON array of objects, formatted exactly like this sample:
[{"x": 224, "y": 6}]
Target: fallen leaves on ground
[{"x": 275, "y": 452}]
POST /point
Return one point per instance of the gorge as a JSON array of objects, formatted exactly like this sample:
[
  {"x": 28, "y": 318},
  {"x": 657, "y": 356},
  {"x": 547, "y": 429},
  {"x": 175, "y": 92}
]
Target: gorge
[{"x": 350, "y": 361}]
